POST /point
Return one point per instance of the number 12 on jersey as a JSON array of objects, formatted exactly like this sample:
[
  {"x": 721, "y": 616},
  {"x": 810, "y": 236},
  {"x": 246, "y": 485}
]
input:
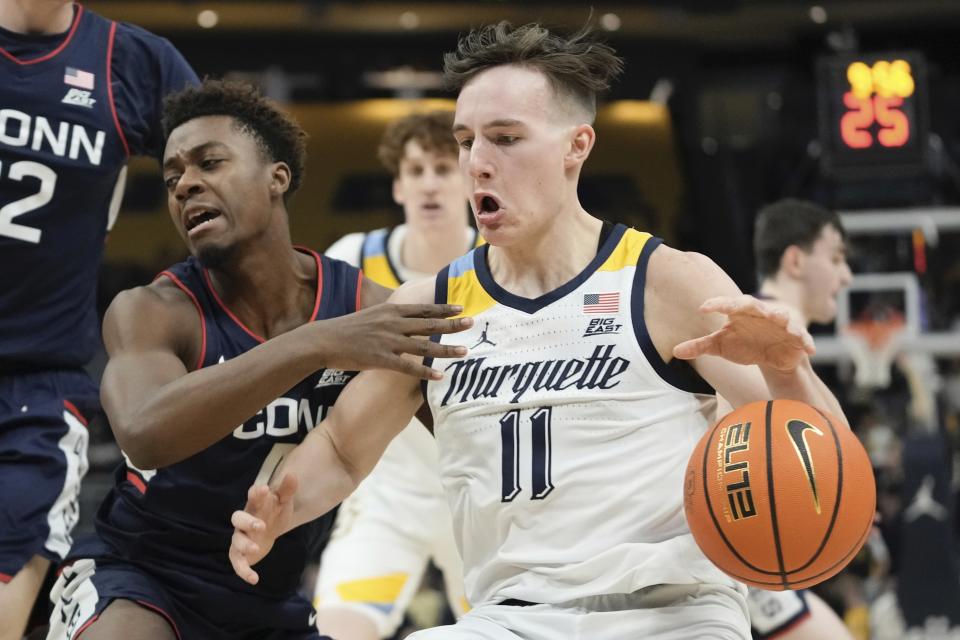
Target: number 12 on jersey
[
  {"x": 48, "y": 180},
  {"x": 540, "y": 455}
]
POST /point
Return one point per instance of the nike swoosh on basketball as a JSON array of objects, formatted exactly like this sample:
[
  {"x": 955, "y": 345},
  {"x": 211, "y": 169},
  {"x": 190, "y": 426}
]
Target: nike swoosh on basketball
[{"x": 797, "y": 430}]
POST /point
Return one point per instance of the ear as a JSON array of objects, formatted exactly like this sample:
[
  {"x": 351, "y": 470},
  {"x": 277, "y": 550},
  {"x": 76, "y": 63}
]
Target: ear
[
  {"x": 792, "y": 261},
  {"x": 280, "y": 176},
  {"x": 397, "y": 192},
  {"x": 582, "y": 139}
]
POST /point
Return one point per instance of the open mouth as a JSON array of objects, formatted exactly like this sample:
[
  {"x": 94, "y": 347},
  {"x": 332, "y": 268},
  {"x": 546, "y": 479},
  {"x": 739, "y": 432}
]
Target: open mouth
[
  {"x": 487, "y": 204},
  {"x": 201, "y": 217}
]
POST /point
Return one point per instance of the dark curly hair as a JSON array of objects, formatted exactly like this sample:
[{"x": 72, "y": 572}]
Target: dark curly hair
[
  {"x": 578, "y": 66},
  {"x": 277, "y": 134},
  {"x": 433, "y": 130}
]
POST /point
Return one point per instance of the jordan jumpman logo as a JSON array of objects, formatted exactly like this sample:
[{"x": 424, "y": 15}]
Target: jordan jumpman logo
[{"x": 483, "y": 338}]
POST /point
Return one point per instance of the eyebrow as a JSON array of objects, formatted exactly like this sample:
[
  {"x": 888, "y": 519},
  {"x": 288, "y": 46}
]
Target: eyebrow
[
  {"x": 502, "y": 122},
  {"x": 195, "y": 151}
]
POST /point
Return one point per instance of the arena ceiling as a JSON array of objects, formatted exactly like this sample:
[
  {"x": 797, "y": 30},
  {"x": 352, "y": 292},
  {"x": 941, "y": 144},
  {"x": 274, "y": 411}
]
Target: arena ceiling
[{"x": 698, "y": 20}]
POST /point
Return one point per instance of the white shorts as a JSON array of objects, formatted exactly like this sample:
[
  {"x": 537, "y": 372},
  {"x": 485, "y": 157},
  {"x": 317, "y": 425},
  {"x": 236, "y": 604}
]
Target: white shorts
[
  {"x": 661, "y": 612},
  {"x": 386, "y": 533},
  {"x": 773, "y": 612}
]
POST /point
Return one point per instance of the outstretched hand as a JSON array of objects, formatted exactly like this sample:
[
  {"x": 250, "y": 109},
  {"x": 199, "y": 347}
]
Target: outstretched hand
[
  {"x": 378, "y": 336},
  {"x": 266, "y": 516},
  {"x": 756, "y": 332}
]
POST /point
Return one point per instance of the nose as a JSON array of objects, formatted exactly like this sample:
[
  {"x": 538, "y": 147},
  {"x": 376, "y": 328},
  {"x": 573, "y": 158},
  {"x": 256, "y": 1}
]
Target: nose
[
  {"x": 431, "y": 181},
  {"x": 846, "y": 275},
  {"x": 188, "y": 185},
  {"x": 479, "y": 165}
]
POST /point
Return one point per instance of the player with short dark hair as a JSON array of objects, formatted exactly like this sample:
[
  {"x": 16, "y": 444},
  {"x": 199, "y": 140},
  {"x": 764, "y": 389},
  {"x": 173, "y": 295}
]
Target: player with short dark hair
[
  {"x": 800, "y": 251},
  {"x": 218, "y": 369}
]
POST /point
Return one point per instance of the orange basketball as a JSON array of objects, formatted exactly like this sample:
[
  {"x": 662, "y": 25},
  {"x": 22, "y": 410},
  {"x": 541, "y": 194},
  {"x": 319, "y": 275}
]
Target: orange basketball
[{"x": 779, "y": 495}]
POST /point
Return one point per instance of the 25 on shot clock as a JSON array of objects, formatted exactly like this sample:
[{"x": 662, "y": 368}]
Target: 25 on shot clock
[{"x": 873, "y": 113}]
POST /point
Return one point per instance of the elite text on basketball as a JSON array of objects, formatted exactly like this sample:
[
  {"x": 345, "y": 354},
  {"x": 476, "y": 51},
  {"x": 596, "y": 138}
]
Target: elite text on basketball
[{"x": 739, "y": 495}]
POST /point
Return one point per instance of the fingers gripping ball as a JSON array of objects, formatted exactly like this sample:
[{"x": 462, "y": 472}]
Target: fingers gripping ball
[{"x": 779, "y": 495}]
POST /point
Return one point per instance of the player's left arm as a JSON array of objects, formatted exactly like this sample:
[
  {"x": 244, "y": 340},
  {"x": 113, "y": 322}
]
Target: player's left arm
[{"x": 747, "y": 349}]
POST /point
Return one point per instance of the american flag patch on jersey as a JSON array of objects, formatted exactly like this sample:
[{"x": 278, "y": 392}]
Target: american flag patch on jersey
[
  {"x": 601, "y": 302},
  {"x": 78, "y": 78}
]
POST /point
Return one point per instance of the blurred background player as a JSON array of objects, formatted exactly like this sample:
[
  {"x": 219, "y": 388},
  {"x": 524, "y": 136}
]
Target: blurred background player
[
  {"x": 800, "y": 253},
  {"x": 389, "y": 529},
  {"x": 249, "y": 331},
  {"x": 80, "y": 95}
]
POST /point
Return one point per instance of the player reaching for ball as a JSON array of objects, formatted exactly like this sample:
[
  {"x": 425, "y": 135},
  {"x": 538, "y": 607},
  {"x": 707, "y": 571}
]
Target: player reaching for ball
[{"x": 564, "y": 433}]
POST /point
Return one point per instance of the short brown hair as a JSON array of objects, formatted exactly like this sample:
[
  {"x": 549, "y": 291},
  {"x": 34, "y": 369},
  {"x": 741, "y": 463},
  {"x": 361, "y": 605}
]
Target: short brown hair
[
  {"x": 276, "y": 133},
  {"x": 432, "y": 130},
  {"x": 578, "y": 66}
]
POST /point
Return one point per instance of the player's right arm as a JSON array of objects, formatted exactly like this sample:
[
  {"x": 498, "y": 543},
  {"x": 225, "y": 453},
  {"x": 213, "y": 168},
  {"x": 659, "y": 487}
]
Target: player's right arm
[
  {"x": 756, "y": 353},
  {"x": 162, "y": 411},
  {"x": 333, "y": 459}
]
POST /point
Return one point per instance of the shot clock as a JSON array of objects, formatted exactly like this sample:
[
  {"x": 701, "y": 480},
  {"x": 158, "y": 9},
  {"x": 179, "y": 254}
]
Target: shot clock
[{"x": 873, "y": 114}]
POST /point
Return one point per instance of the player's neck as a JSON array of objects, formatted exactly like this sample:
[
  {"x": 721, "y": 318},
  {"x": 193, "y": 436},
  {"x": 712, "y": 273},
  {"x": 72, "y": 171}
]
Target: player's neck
[
  {"x": 429, "y": 250},
  {"x": 545, "y": 261},
  {"x": 36, "y": 16},
  {"x": 786, "y": 292},
  {"x": 270, "y": 286}
]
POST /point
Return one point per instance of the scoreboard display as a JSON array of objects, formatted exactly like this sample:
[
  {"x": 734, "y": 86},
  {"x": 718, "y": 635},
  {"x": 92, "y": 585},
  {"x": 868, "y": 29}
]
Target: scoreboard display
[{"x": 873, "y": 114}]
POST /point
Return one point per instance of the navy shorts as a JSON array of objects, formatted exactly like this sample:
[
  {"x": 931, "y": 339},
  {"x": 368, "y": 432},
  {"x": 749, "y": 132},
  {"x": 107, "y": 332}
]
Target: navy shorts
[
  {"x": 43, "y": 457},
  {"x": 194, "y": 608}
]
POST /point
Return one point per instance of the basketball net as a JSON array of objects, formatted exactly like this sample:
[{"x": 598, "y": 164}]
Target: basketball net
[{"x": 872, "y": 343}]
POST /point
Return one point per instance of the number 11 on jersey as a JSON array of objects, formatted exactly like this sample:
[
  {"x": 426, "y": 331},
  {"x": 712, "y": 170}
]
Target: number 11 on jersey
[{"x": 541, "y": 454}]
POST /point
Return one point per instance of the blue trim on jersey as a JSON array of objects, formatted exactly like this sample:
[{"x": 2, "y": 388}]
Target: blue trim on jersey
[
  {"x": 679, "y": 373},
  {"x": 459, "y": 267},
  {"x": 386, "y": 254},
  {"x": 382, "y": 608},
  {"x": 533, "y": 305},
  {"x": 440, "y": 291},
  {"x": 439, "y": 297},
  {"x": 374, "y": 244}
]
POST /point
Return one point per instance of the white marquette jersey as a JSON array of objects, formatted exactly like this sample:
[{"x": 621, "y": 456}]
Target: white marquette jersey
[{"x": 564, "y": 437}]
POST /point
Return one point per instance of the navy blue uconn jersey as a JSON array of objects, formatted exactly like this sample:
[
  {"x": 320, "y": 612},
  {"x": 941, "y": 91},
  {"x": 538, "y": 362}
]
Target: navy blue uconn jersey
[
  {"x": 74, "y": 106},
  {"x": 178, "y": 518}
]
